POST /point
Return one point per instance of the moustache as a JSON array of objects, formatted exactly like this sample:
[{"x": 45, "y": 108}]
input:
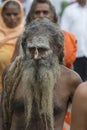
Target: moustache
[{"x": 37, "y": 63}]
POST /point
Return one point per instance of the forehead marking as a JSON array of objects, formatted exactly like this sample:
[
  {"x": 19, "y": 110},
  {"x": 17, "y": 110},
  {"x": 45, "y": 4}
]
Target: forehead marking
[{"x": 40, "y": 41}]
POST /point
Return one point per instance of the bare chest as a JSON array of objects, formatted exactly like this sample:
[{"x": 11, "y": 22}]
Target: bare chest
[{"x": 61, "y": 96}]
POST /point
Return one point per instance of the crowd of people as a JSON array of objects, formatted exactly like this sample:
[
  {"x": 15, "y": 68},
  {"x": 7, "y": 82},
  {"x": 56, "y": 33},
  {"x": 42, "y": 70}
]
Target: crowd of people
[{"x": 39, "y": 65}]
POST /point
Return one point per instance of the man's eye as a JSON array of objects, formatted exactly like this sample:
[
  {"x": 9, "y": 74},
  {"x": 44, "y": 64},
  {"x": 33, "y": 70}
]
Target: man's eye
[
  {"x": 32, "y": 50},
  {"x": 15, "y": 14},
  {"x": 42, "y": 49},
  {"x": 8, "y": 14},
  {"x": 45, "y": 12},
  {"x": 37, "y": 12}
]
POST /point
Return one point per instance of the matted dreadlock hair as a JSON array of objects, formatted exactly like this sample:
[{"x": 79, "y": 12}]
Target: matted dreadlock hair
[{"x": 11, "y": 80}]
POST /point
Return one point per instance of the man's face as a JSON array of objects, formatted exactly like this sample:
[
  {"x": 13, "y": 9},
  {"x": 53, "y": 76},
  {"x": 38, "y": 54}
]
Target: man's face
[
  {"x": 39, "y": 48},
  {"x": 42, "y": 10}
]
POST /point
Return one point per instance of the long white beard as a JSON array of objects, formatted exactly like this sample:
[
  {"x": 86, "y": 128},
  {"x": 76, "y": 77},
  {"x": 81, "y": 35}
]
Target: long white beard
[{"x": 38, "y": 85}]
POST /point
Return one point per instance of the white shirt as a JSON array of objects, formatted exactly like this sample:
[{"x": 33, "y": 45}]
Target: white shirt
[
  {"x": 74, "y": 19},
  {"x": 0, "y": 2}
]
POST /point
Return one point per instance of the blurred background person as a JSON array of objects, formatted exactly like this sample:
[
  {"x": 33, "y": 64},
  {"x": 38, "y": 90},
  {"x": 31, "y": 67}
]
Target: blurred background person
[
  {"x": 74, "y": 19},
  {"x": 11, "y": 16},
  {"x": 58, "y": 4}
]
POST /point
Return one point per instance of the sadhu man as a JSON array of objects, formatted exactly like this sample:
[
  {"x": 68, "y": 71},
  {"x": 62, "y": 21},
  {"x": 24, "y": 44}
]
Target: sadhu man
[
  {"x": 45, "y": 9},
  {"x": 36, "y": 88}
]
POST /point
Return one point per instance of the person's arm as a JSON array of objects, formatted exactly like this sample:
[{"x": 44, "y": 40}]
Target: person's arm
[{"x": 79, "y": 108}]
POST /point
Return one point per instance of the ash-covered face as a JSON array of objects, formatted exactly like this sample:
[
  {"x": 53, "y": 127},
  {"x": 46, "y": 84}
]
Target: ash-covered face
[{"x": 38, "y": 48}]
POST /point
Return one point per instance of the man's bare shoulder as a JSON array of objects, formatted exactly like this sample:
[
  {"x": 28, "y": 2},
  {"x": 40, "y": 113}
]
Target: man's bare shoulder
[
  {"x": 71, "y": 79},
  {"x": 70, "y": 75}
]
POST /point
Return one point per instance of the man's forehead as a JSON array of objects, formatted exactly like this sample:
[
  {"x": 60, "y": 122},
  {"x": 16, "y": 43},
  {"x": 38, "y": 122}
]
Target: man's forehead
[
  {"x": 39, "y": 41},
  {"x": 42, "y": 6}
]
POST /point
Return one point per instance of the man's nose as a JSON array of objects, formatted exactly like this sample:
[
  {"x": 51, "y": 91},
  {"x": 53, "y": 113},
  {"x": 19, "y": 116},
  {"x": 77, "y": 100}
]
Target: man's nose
[
  {"x": 12, "y": 17},
  {"x": 36, "y": 54},
  {"x": 41, "y": 15}
]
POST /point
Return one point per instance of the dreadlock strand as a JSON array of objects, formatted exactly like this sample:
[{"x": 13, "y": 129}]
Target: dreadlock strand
[{"x": 11, "y": 81}]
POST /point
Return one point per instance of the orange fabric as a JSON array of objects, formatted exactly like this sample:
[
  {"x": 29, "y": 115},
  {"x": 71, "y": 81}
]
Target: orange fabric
[
  {"x": 8, "y": 38},
  {"x": 70, "y": 48},
  {"x": 68, "y": 118},
  {"x": 6, "y": 53},
  {"x": 64, "y": 128}
]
